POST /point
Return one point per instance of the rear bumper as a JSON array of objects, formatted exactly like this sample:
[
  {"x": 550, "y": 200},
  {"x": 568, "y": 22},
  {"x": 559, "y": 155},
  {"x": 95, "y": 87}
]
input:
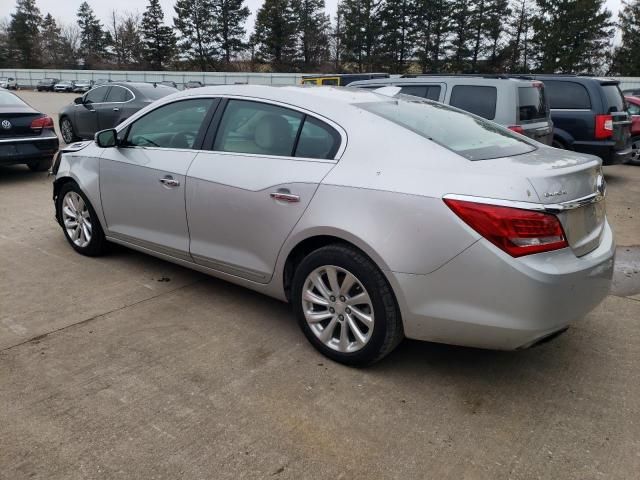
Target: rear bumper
[
  {"x": 605, "y": 150},
  {"x": 20, "y": 150},
  {"x": 485, "y": 298}
]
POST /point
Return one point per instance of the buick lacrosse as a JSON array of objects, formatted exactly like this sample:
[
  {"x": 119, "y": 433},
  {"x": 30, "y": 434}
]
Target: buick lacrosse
[{"x": 377, "y": 217}]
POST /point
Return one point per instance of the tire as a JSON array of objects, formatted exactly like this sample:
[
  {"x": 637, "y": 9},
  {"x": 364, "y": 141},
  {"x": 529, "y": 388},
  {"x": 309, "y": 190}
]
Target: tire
[
  {"x": 635, "y": 151},
  {"x": 333, "y": 317},
  {"x": 558, "y": 144},
  {"x": 40, "y": 165},
  {"x": 66, "y": 130},
  {"x": 67, "y": 206}
]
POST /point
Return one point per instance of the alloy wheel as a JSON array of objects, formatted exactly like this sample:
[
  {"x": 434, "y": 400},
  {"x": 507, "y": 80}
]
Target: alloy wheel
[
  {"x": 635, "y": 150},
  {"x": 67, "y": 130},
  {"x": 76, "y": 219},
  {"x": 338, "y": 309}
]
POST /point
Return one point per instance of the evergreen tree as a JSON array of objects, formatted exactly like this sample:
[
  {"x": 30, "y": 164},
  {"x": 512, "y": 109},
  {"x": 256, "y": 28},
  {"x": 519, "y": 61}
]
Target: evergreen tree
[
  {"x": 275, "y": 34},
  {"x": 313, "y": 33},
  {"x": 571, "y": 35},
  {"x": 519, "y": 33},
  {"x": 197, "y": 31},
  {"x": 361, "y": 32},
  {"x": 336, "y": 41},
  {"x": 92, "y": 36},
  {"x": 398, "y": 34},
  {"x": 51, "y": 42},
  {"x": 231, "y": 16},
  {"x": 626, "y": 60},
  {"x": 126, "y": 35},
  {"x": 461, "y": 35},
  {"x": 432, "y": 26},
  {"x": 497, "y": 10},
  {"x": 158, "y": 39},
  {"x": 24, "y": 34}
]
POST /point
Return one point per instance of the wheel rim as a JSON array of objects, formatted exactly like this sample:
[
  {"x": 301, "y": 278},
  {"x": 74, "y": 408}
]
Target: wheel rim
[
  {"x": 338, "y": 309},
  {"x": 635, "y": 150},
  {"x": 76, "y": 219},
  {"x": 67, "y": 131}
]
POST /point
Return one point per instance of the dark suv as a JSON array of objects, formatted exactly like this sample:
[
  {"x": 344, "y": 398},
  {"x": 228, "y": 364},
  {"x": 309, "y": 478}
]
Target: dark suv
[{"x": 589, "y": 115}]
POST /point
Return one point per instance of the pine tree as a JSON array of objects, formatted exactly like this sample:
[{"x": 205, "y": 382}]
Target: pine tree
[
  {"x": 158, "y": 39},
  {"x": 461, "y": 35},
  {"x": 313, "y": 33},
  {"x": 23, "y": 35},
  {"x": 361, "y": 32},
  {"x": 519, "y": 33},
  {"x": 197, "y": 31},
  {"x": 571, "y": 36},
  {"x": 432, "y": 27},
  {"x": 275, "y": 34},
  {"x": 231, "y": 16},
  {"x": 626, "y": 61},
  {"x": 51, "y": 42},
  {"x": 92, "y": 36},
  {"x": 497, "y": 11},
  {"x": 398, "y": 34}
]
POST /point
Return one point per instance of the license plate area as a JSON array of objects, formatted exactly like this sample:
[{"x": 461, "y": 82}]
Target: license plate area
[{"x": 584, "y": 226}]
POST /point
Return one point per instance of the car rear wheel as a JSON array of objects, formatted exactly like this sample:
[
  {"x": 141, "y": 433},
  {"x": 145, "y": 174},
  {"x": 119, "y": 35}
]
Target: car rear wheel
[
  {"x": 66, "y": 128},
  {"x": 345, "y": 306},
  {"x": 79, "y": 221},
  {"x": 40, "y": 165},
  {"x": 635, "y": 151}
]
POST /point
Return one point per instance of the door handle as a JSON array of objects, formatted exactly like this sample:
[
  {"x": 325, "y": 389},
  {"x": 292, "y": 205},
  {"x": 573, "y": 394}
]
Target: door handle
[
  {"x": 116, "y": 109},
  {"x": 285, "y": 196},
  {"x": 169, "y": 181}
]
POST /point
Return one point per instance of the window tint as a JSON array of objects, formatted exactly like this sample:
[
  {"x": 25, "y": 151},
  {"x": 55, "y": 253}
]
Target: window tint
[
  {"x": 568, "y": 95},
  {"x": 118, "y": 94},
  {"x": 471, "y": 137},
  {"x": 96, "y": 95},
  {"x": 253, "y": 127},
  {"x": 634, "y": 109},
  {"x": 431, "y": 92},
  {"x": 317, "y": 140},
  {"x": 532, "y": 104},
  {"x": 171, "y": 126},
  {"x": 475, "y": 99},
  {"x": 614, "y": 98},
  {"x": 329, "y": 81}
]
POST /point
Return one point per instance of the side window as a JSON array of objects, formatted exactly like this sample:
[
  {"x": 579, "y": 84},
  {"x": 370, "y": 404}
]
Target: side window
[
  {"x": 329, "y": 81},
  {"x": 430, "y": 92},
  {"x": 475, "y": 99},
  {"x": 118, "y": 94},
  {"x": 253, "y": 127},
  {"x": 175, "y": 125},
  {"x": 309, "y": 82},
  {"x": 567, "y": 95},
  {"x": 96, "y": 95},
  {"x": 634, "y": 109},
  {"x": 317, "y": 140}
]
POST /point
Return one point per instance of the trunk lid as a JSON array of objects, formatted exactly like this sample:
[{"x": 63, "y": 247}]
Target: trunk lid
[{"x": 19, "y": 122}]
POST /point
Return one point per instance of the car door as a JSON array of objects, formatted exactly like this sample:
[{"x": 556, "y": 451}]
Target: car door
[
  {"x": 246, "y": 194},
  {"x": 109, "y": 112},
  {"x": 142, "y": 181},
  {"x": 86, "y": 113}
]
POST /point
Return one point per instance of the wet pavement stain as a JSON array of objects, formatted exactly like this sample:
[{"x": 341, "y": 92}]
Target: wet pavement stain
[{"x": 626, "y": 275}]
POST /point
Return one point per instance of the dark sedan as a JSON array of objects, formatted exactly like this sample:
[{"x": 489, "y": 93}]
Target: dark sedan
[
  {"x": 106, "y": 106},
  {"x": 26, "y": 135},
  {"x": 47, "y": 84}
]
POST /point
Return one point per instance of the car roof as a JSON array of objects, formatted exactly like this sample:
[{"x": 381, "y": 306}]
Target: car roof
[{"x": 465, "y": 79}]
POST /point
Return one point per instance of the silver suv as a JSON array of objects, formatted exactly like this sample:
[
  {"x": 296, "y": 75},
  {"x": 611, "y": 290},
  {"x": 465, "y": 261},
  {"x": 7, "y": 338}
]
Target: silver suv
[{"x": 518, "y": 104}]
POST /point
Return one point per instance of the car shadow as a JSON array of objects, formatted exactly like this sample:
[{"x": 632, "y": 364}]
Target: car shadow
[{"x": 18, "y": 173}]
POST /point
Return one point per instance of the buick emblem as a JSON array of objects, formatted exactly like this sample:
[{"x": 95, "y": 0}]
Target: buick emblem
[{"x": 6, "y": 124}]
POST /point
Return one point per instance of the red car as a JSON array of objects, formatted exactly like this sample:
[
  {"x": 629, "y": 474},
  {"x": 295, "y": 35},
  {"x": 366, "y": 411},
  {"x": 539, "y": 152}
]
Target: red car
[{"x": 634, "y": 110}]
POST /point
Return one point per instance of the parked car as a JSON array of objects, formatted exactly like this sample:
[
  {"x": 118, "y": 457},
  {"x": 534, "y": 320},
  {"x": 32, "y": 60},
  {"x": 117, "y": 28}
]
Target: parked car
[
  {"x": 81, "y": 86},
  {"x": 105, "y": 106},
  {"x": 340, "y": 80},
  {"x": 168, "y": 83},
  {"x": 589, "y": 116},
  {"x": 64, "y": 86},
  {"x": 518, "y": 104},
  {"x": 47, "y": 84},
  {"x": 633, "y": 104},
  {"x": 26, "y": 135},
  {"x": 101, "y": 81},
  {"x": 632, "y": 92},
  {"x": 193, "y": 84},
  {"x": 372, "y": 215},
  {"x": 9, "y": 83}
]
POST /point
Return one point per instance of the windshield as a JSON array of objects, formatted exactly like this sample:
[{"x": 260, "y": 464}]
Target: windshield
[{"x": 468, "y": 135}]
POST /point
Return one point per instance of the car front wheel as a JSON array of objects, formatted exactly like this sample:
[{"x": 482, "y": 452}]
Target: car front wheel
[
  {"x": 79, "y": 221},
  {"x": 635, "y": 151},
  {"x": 66, "y": 128},
  {"x": 345, "y": 306}
]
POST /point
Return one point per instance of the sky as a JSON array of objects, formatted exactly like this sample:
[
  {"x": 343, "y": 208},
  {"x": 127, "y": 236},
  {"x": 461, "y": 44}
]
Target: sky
[{"x": 66, "y": 9}]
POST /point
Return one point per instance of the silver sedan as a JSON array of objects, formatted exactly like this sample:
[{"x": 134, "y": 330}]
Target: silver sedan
[{"x": 377, "y": 217}]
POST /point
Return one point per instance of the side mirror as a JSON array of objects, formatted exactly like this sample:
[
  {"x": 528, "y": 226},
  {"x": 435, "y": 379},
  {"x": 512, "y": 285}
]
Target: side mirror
[
  {"x": 78, "y": 100},
  {"x": 107, "y": 138}
]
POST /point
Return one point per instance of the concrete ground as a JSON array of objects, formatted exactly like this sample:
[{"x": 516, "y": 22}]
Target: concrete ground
[{"x": 129, "y": 367}]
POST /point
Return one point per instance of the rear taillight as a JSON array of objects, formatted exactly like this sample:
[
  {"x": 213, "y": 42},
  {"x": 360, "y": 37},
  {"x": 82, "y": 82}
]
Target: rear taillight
[
  {"x": 42, "y": 122},
  {"x": 516, "y": 231},
  {"x": 517, "y": 129},
  {"x": 604, "y": 127}
]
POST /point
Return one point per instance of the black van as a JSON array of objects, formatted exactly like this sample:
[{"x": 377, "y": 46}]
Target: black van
[{"x": 589, "y": 115}]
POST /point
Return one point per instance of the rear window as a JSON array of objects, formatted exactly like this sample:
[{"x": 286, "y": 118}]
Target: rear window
[
  {"x": 615, "y": 100},
  {"x": 476, "y": 99},
  {"x": 430, "y": 92},
  {"x": 532, "y": 105},
  {"x": 464, "y": 134},
  {"x": 159, "y": 91},
  {"x": 567, "y": 95},
  {"x": 10, "y": 100}
]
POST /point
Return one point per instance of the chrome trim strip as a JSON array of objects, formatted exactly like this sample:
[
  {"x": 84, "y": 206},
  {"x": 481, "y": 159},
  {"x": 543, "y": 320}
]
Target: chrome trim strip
[
  {"x": 540, "y": 207},
  {"x": 27, "y": 139}
]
